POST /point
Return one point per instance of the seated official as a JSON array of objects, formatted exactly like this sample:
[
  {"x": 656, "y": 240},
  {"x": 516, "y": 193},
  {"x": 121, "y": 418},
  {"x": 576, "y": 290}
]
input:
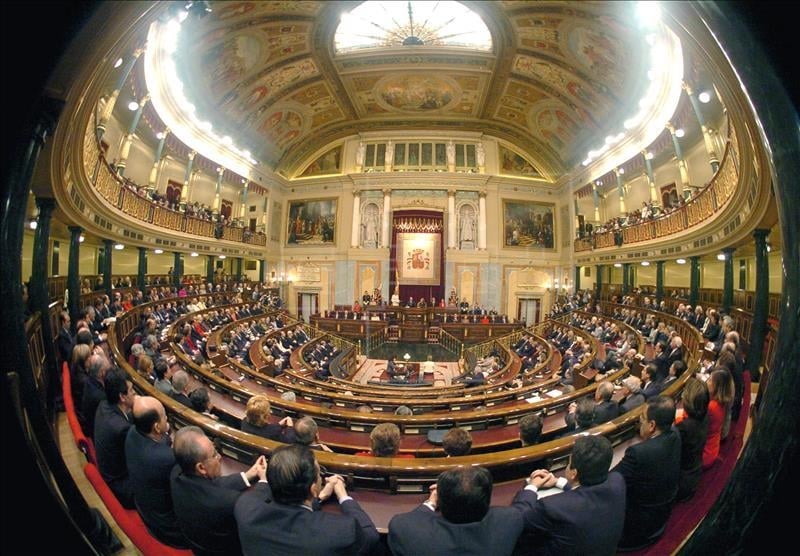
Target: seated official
[
  {"x": 306, "y": 433},
  {"x": 279, "y": 517},
  {"x": 385, "y": 442},
  {"x": 580, "y": 416},
  {"x": 111, "y": 423},
  {"x": 256, "y": 421},
  {"x": 457, "y": 442},
  {"x": 203, "y": 498},
  {"x": 567, "y": 523},
  {"x": 651, "y": 471},
  {"x": 466, "y": 524},
  {"x": 530, "y": 429},
  {"x": 150, "y": 459}
]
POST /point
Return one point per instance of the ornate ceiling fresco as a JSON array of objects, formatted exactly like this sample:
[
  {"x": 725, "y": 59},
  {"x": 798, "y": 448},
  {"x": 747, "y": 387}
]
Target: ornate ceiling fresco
[{"x": 558, "y": 76}]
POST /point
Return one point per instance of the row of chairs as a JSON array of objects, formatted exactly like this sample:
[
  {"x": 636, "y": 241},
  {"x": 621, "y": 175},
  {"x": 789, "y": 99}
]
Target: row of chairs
[{"x": 128, "y": 520}]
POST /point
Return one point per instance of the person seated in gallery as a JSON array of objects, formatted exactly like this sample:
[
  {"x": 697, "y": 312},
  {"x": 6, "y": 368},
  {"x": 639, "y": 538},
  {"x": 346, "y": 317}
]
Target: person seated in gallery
[
  {"x": 366, "y": 298},
  {"x": 356, "y": 306},
  {"x": 391, "y": 367},
  {"x": 464, "y": 305},
  {"x": 410, "y": 303},
  {"x": 422, "y": 304}
]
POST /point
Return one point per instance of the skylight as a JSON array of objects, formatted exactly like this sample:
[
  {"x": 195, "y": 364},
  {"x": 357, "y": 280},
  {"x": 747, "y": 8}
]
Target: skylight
[{"x": 376, "y": 24}]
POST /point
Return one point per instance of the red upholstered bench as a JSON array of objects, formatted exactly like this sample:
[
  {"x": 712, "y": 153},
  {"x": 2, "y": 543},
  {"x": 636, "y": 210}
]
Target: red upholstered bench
[
  {"x": 84, "y": 443},
  {"x": 128, "y": 520}
]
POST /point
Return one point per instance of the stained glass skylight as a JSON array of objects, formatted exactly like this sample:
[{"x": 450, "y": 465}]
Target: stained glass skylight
[{"x": 376, "y": 24}]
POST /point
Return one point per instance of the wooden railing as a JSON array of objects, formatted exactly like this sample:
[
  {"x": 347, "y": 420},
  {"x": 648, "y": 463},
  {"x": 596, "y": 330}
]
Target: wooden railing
[
  {"x": 111, "y": 187},
  {"x": 708, "y": 201}
]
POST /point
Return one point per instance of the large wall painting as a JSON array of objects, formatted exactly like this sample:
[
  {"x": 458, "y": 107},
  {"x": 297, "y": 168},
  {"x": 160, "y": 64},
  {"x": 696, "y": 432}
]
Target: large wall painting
[
  {"x": 418, "y": 258},
  {"x": 512, "y": 164},
  {"x": 416, "y": 93},
  {"x": 311, "y": 222},
  {"x": 528, "y": 224},
  {"x": 328, "y": 163}
]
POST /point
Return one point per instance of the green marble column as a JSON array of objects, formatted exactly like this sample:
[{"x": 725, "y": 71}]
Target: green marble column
[
  {"x": 727, "y": 284},
  {"x": 109, "y": 249},
  {"x": 626, "y": 277},
  {"x": 577, "y": 278},
  {"x": 238, "y": 269},
  {"x": 659, "y": 281},
  {"x": 694, "y": 280},
  {"x": 758, "y": 331},
  {"x": 598, "y": 284},
  {"x": 262, "y": 270},
  {"x": 210, "y": 269},
  {"x": 141, "y": 279},
  {"x": 73, "y": 275},
  {"x": 39, "y": 298},
  {"x": 177, "y": 270}
]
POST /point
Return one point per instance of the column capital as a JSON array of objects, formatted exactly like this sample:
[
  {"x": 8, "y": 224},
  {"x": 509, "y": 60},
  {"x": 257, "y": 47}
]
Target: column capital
[
  {"x": 220, "y": 171},
  {"x": 660, "y": 263},
  {"x": 144, "y": 101},
  {"x": 451, "y": 192},
  {"x": 729, "y": 250},
  {"x": 695, "y": 258},
  {"x": 45, "y": 205},
  {"x": 356, "y": 192},
  {"x": 108, "y": 242},
  {"x": 686, "y": 87},
  {"x": 760, "y": 234},
  {"x": 138, "y": 52},
  {"x": 76, "y": 230},
  {"x": 482, "y": 194},
  {"x": 670, "y": 127},
  {"x": 192, "y": 154},
  {"x": 386, "y": 191},
  {"x": 142, "y": 249}
]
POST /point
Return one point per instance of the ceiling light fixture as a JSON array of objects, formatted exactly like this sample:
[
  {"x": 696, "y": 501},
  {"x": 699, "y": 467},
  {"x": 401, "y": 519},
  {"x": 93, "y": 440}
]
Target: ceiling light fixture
[
  {"x": 221, "y": 257},
  {"x": 649, "y": 156},
  {"x": 133, "y": 106},
  {"x": 681, "y": 261},
  {"x": 721, "y": 257},
  {"x": 118, "y": 63},
  {"x": 645, "y": 263},
  {"x": 81, "y": 239},
  {"x": 33, "y": 224},
  {"x": 160, "y": 135},
  {"x": 769, "y": 248},
  {"x": 193, "y": 254},
  {"x": 119, "y": 246},
  {"x": 158, "y": 251},
  {"x": 679, "y": 133},
  {"x": 617, "y": 265},
  {"x": 704, "y": 97}
]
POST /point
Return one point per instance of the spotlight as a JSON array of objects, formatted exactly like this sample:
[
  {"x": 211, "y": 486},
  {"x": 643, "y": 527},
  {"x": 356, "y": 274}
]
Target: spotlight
[
  {"x": 119, "y": 246},
  {"x": 158, "y": 251},
  {"x": 704, "y": 97},
  {"x": 769, "y": 248},
  {"x": 221, "y": 257},
  {"x": 649, "y": 156},
  {"x": 160, "y": 135},
  {"x": 721, "y": 257},
  {"x": 679, "y": 133},
  {"x": 645, "y": 263},
  {"x": 621, "y": 171},
  {"x": 681, "y": 261},
  {"x": 193, "y": 254},
  {"x": 118, "y": 63},
  {"x": 33, "y": 224},
  {"x": 617, "y": 265},
  {"x": 81, "y": 239},
  {"x": 133, "y": 106}
]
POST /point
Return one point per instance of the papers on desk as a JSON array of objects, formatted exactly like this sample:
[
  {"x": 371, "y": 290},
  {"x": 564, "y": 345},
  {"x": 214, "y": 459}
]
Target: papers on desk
[
  {"x": 533, "y": 399},
  {"x": 554, "y": 393}
]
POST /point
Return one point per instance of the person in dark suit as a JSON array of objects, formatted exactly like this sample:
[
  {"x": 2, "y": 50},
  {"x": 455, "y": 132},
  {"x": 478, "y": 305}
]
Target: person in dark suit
[
  {"x": 203, "y": 498},
  {"x": 94, "y": 391},
  {"x": 465, "y": 523},
  {"x": 279, "y": 517},
  {"x": 567, "y": 523},
  {"x": 605, "y": 409},
  {"x": 580, "y": 416},
  {"x": 65, "y": 341},
  {"x": 150, "y": 459},
  {"x": 651, "y": 470},
  {"x": 256, "y": 421},
  {"x": 692, "y": 426},
  {"x": 650, "y": 386},
  {"x": 111, "y": 423}
]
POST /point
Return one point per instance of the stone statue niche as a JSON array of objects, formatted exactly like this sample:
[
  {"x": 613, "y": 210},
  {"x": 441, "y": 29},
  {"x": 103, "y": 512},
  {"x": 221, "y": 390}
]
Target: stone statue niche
[
  {"x": 370, "y": 226},
  {"x": 467, "y": 223}
]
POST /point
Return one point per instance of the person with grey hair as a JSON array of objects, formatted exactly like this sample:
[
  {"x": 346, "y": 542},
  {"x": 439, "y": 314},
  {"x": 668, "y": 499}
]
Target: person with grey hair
[
  {"x": 632, "y": 396},
  {"x": 203, "y": 498},
  {"x": 93, "y": 391},
  {"x": 604, "y": 409},
  {"x": 306, "y": 433},
  {"x": 136, "y": 351},
  {"x": 289, "y": 396},
  {"x": 180, "y": 381},
  {"x": 403, "y": 411}
]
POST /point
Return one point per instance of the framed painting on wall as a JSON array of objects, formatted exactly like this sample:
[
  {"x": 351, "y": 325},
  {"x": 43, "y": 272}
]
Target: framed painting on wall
[
  {"x": 528, "y": 224},
  {"x": 311, "y": 222}
]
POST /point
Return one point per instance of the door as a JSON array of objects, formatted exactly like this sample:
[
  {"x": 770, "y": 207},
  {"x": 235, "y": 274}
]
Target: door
[
  {"x": 528, "y": 311},
  {"x": 307, "y": 304}
]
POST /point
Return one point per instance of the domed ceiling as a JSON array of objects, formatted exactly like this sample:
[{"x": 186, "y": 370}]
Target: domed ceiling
[{"x": 559, "y": 76}]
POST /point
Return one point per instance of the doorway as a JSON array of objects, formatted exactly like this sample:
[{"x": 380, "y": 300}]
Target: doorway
[
  {"x": 528, "y": 310},
  {"x": 307, "y": 304}
]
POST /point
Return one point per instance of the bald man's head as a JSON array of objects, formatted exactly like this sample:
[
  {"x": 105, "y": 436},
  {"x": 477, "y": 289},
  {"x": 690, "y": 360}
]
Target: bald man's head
[{"x": 149, "y": 417}]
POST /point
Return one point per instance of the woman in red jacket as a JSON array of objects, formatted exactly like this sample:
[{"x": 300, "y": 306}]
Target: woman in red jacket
[{"x": 720, "y": 390}]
